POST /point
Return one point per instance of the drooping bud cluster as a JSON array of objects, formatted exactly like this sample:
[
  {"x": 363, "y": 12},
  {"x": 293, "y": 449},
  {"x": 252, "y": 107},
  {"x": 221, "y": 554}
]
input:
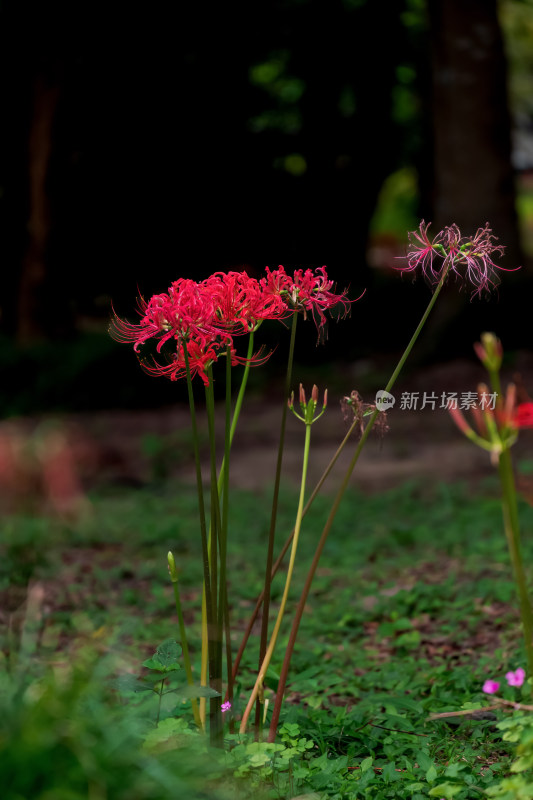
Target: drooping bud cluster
[{"x": 355, "y": 410}]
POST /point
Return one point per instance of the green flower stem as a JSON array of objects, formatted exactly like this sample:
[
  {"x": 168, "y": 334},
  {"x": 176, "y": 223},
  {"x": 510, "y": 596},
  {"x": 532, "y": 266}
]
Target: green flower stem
[
  {"x": 199, "y": 483},
  {"x": 511, "y": 524},
  {"x": 159, "y": 692},
  {"x": 495, "y": 382},
  {"x": 205, "y": 656},
  {"x": 215, "y": 505},
  {"x": 244, "y": 381},
  {"x": 512, "y": 533},
  {"x": 489, "y": 446},
  {"x": 238, "y": 406},
  {"x": 227, "y": 638},
  {"x": 236, "y": 413},
  {"x": 183, "y": 636},
  {"x": 336, "y": 503},
  {"x": 207, "y": 618},
  {"x": 286, "y": 546},
  {"x": 223, "y": 610},
  {"x": 215, "y": 631},
  {"x": 297, "y": 527},
  {"x": 274, "y": 513}
]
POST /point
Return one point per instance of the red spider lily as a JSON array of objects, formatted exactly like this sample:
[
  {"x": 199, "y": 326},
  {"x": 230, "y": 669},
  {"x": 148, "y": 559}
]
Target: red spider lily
[
  {"x": 200, "y": 359},
  {"x": 185, "y": 312},
  {"x": 306, "y": 291},
  {"x": 469, "y": 258},
  {"x": 205, "y": 316},
  {"x": 241, "y": 303},
  {"x": 524, "y": 415}
]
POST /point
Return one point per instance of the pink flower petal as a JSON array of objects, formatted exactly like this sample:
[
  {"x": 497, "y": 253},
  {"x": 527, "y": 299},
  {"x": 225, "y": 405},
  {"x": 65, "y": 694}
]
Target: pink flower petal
[{"x": 516, "y": 678}]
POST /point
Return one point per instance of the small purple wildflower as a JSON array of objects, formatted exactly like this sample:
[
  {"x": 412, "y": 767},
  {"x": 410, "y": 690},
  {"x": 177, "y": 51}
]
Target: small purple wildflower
[
  {"x": 516, "y": 678},
  {"x": 470, "y": 258},
  {"x": 490, "y": 687},
  {"x": 225, "y": 706}
]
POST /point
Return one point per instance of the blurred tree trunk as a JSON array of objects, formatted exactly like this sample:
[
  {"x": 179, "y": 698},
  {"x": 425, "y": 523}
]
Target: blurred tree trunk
[
  {"x": 473, "y": 176},
  {"x": 36, "y": 299},
  {"x": 32, "y": 312}
]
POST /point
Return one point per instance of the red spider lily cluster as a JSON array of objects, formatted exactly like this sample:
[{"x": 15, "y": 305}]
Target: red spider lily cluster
[
  {"x": 496, "y": 428},
  {"x": 469, "y": 258},
  {"x": 202, "y": 319}
]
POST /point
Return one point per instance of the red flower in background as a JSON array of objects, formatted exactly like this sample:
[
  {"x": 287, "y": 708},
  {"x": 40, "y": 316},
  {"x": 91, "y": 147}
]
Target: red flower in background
[{"x": 524, "y": 415}]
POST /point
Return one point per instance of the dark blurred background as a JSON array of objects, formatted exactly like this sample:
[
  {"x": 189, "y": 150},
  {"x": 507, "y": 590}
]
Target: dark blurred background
[{"x": 141, "y": 145}]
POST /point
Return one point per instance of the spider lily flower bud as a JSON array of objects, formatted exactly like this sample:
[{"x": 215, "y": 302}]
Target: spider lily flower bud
[
  {"x": 172, "y": 567},
  {"x": 459, "y": 419},
  {"x": 509, "y": 408},
  {"x": 489, "y": 351},
  {"x": 308, "y": 408},
  {"x": 495, "y": 422},
  {"x": 484, "y": 415}
]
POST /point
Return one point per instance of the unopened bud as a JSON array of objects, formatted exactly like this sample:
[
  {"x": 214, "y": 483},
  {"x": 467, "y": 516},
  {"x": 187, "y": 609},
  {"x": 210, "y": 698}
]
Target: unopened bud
[
  {"x": 510, "y": 402},
  {"x": 325, "y": 398},
  {"x": 489, "y": 351},
  {"x": 172, "y": 567},
  {"x": 303, "y": 401},
  {"x": 314, "y": 393}
]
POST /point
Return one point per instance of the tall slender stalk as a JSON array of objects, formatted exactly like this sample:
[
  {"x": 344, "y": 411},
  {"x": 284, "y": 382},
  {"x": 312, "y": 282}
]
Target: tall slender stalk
[
  {"x": 222, "y": 473},
  {"x": 336, "y": 503},
  {"x": 215, "y": 630},
  {"x": 223, "y": 610},
  {"x": 297, "y": 527},
  {"x": 274, "y": 513},
  {"x": 183, "y": 636},
  {"x": 512, "y": 533},
  {"x": 511, "y": 524},
  {"x": 199, "y": 483},
  {"x": 287, "y": 544},
  {"x": 207, "y": 608}
]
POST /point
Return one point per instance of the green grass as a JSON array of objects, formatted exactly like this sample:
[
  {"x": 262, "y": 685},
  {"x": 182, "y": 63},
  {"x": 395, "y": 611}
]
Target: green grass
[{"x": 413, "y": 607}]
